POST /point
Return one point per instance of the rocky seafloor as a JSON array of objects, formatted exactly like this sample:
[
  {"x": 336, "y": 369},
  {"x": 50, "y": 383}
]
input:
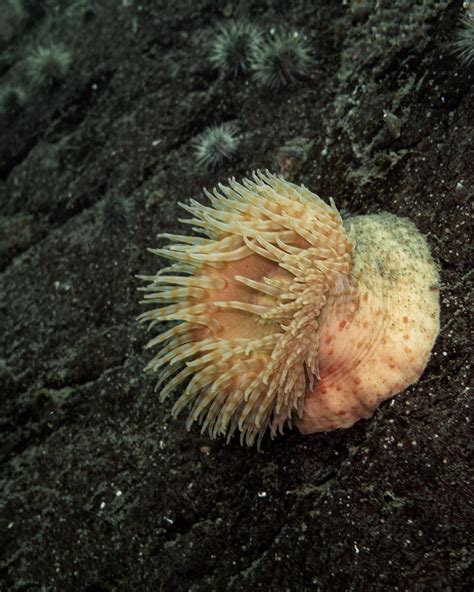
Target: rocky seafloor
[{"x": 100, "y": 490}]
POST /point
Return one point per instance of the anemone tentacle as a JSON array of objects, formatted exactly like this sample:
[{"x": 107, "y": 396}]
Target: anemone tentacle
[{"x": 272, "y": 255}]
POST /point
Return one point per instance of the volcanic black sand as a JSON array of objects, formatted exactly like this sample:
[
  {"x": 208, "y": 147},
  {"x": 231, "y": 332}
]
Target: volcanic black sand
[{"x": 100, "y": 489}]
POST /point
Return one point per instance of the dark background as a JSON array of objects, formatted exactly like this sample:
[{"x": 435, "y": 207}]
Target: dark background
[{"x": 100, "y": 489}]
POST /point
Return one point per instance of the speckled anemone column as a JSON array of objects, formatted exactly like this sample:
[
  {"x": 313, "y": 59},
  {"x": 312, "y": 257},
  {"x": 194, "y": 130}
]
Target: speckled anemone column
[
  {"x": 287, "y": 314},
  {"x": 380, "y": 345}
]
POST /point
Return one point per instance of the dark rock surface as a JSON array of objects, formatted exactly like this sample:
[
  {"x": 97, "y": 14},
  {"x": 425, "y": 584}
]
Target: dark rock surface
[{"x": 100, "y": 489}]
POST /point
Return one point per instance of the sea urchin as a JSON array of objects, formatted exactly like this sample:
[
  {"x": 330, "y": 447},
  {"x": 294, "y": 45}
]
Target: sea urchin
[
  {"x": 216, "y": 145},
  {"x": 233, "y": 47},
  {"x": 464, "y": 44},
  {"x": 281, "y": 60},
  {"x": 288, "y": 314},
  {"x": 48, "y": 65}
]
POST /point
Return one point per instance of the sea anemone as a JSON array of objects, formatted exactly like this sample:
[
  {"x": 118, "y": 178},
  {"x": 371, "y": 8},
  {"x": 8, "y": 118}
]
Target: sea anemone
[
  {"x": 233, "y": 47},
  {"x": 47, "y": 65},
  {"x": 288, "y": 314},
  {"x": 216, "y": 145},
  {"x": 281, "y": 60}
]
